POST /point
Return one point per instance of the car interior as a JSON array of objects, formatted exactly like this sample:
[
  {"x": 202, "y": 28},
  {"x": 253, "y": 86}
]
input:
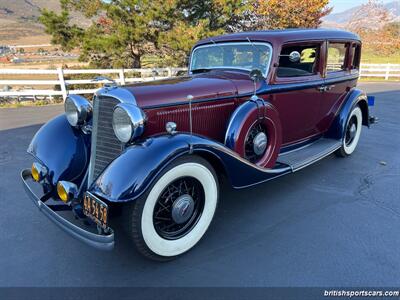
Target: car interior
[{"x": 308, "y": 64}]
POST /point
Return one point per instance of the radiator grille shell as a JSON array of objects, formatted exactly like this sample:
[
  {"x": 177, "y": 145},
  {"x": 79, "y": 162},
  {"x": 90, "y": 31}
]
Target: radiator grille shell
[{"x": 105, "y": 145}]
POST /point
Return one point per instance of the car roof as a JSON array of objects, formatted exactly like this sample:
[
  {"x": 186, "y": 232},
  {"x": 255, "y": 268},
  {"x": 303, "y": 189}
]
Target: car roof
[{"x": 282, "y": 36}]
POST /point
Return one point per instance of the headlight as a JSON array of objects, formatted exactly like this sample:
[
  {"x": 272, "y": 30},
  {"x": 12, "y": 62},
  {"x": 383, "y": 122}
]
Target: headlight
[
  {"x": 128, "y": 122},
  {"x": 77, "y": 109}
]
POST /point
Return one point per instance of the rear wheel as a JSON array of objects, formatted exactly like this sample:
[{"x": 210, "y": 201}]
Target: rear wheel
[
  {"x": 352, "y": 133},
  {"x": 177, "y": 210}
]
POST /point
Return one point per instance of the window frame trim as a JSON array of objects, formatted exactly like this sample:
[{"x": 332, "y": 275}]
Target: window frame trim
[
  {"x": 267, "y": 67},
  {"x": 353, "y": 54},
  {"x": 303, "y": 78}
]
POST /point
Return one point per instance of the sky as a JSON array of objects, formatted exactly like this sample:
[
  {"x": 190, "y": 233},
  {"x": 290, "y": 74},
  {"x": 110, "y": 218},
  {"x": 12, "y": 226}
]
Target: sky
[{"x": 341, "y": 5}]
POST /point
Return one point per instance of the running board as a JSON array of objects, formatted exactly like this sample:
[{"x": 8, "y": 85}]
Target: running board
[{"x": 304, "y": 156}]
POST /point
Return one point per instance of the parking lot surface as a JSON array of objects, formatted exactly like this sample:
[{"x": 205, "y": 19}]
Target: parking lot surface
[{"x": 335, "y": 223}]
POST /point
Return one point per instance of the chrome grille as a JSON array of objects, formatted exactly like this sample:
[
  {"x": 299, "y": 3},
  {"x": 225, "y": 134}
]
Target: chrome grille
[{"x": 105, "y": 146}]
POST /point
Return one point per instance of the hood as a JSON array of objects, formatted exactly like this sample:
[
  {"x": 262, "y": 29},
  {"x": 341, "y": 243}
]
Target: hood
[{"x": 213, "y": 84}]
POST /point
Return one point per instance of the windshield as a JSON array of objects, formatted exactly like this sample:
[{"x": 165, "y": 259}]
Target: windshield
[{"x": 244, "y": 56}]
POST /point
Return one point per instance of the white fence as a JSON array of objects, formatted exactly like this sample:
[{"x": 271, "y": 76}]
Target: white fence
[
  {"x": 380, "y": 70},
  {"x": 9, "y": 90},
  {"x": 118, "y": 76}
]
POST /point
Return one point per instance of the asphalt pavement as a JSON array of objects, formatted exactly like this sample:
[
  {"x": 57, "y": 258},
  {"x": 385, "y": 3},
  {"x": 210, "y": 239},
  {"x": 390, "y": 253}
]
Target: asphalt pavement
[{"x": 335, "y": 223}]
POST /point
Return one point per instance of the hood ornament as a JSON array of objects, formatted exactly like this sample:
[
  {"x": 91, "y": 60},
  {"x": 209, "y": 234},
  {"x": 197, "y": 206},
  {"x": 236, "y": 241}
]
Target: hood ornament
[{"x": 107, "y": 81}]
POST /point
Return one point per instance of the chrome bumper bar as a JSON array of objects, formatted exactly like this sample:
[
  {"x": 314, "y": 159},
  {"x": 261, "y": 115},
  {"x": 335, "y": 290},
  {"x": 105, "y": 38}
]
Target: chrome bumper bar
[{"x": 98, "y": 241}]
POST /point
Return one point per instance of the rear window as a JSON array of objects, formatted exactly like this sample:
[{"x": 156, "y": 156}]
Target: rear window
[
  {"x": 336, "y": 57},
  {"x": 307, "y": 65}
]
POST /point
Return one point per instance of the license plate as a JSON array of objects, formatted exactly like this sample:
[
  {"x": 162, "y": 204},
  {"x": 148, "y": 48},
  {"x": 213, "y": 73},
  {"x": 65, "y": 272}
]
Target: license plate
[{"x": 95, "y": 209}]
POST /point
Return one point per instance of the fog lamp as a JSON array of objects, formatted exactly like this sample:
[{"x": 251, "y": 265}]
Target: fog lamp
[
  {"x": 67, "y": 191},
  {"x": 38, "y": 171}
]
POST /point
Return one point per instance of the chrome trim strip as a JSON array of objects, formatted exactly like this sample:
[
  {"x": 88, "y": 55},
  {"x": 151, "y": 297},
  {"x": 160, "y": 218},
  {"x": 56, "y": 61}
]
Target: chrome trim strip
[{"x": 93, "y": 139}]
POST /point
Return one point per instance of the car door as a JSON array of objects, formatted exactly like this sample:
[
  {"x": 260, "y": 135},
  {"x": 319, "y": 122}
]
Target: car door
[
  {"x": 298, "y": 99},
  {"x": 341, "y": 71}
]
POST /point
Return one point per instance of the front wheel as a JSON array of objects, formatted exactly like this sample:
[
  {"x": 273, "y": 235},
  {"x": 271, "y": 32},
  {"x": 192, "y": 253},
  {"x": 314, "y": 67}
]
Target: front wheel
[
  {"x": 352, "y": 133},
  {"x": 177, "y": 210}
]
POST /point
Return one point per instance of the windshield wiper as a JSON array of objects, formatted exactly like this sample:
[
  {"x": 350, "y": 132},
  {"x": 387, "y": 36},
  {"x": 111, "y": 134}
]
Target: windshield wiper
[{"x": 200, "y": 70}]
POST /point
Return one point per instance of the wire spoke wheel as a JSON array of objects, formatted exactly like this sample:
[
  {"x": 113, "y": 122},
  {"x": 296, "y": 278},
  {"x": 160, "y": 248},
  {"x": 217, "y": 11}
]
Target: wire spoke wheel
[
  {"x": 178, "y": 208},
  {"x": 351, "y": 130},
  {"x": 256, "y": 143},
  {"x": 352, "y": 133}
]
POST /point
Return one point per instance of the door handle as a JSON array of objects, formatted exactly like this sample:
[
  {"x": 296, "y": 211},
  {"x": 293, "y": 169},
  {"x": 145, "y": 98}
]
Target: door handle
[
  {"x": 324, "y": 88},
  {"x": 329, "y": 87}
]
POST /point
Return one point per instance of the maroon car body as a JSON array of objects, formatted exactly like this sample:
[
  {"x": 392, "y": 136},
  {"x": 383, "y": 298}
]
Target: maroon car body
[
  {"x": 304, "y": 113},
  {"x": 254, "y": 106}
]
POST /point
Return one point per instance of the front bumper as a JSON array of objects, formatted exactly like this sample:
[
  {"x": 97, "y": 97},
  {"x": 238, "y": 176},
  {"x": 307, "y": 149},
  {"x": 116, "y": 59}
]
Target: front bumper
[{"x": 99, "y": 241}]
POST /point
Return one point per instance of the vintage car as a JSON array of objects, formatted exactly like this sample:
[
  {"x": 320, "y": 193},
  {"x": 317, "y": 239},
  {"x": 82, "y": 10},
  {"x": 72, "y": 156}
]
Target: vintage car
[{"x": 254, "y": 106}]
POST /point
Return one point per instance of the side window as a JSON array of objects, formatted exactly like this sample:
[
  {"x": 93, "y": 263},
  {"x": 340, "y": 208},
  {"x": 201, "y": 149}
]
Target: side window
[
  {"x": 336, "y": 57},
  {"x": 355, "y": 64},
  {"x": 308, "y": 64}
]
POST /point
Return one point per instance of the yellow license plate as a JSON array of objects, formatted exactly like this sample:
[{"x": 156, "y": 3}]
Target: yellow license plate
[{"x": 95, "y": 209}]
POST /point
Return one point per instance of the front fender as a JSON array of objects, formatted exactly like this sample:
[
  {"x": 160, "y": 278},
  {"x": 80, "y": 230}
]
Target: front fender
[
  {"x": 355, "y": 97},
  {"x": 129, "y": 175},
  {"x": 62, "y": 149},
  {"x": 133, "y": 172}
]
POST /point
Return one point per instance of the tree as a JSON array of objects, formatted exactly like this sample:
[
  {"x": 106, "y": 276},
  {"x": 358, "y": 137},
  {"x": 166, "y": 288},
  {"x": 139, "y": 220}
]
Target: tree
[
  {"x": 62, "y": 32},
  {"x": 121, "y": 31},
  {"x": 198, "y": 19},
  {"x": 370, "y": 16},
  {"x": 281, "y": 14},
  {"x": 372, "y": 22}
]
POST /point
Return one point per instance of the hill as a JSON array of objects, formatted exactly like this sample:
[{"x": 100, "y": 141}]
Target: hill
[
  {"x": 340, "y": 19},
  {"x": 19, "y": 21}
]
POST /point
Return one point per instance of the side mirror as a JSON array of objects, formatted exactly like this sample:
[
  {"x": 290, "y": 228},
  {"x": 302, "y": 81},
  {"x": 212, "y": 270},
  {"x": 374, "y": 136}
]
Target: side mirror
[
  {"x": 294, "y": 56},
  {"x": 256, "y": 75}
]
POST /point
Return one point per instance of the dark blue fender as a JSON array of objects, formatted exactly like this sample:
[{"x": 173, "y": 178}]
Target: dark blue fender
[
  {"x": 62, "y": 149},
  {"x": 355, "y": 97},
  {"x": 133, "y": 172}
]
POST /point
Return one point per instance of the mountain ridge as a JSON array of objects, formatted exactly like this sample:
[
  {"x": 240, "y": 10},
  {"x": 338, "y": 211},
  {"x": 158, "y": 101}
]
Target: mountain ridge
[
  {"x": 344, "y": 17},
  {"x": 19, "y": 21}
]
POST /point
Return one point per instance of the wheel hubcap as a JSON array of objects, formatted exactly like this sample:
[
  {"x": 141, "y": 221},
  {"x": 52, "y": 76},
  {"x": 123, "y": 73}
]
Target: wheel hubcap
[
  {"x": 178, "y": 208},
  {"x": 260, "y": 143},
  {"x": 182, "y": 209},
  {"x": 351, "y": 131}
]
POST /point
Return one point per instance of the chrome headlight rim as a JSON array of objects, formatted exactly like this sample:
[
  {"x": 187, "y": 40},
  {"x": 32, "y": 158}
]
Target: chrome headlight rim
[
  {"x": 78, "y": 110},
  {"x": 128, "y": 122}
]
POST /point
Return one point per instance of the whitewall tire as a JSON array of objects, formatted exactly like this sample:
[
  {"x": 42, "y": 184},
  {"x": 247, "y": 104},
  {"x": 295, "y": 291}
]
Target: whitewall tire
[
  {"x": 352, "y": 133},
  {"x": 175, "y": 213}
]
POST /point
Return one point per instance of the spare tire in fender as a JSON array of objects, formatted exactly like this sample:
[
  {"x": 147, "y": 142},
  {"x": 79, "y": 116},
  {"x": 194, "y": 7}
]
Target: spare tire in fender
[{"x": 251, "y": 114}]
